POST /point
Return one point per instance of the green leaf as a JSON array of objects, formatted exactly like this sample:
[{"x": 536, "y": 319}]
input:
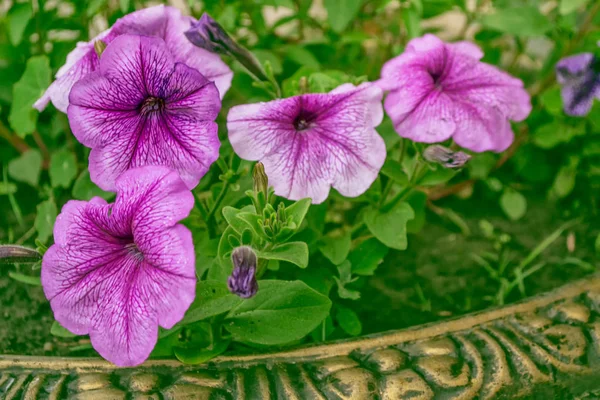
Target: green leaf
[
  {"x": 18, "y": 18},
  {"x": 124, "y": 5},
  {"x": 550, "y": 135},
  {"x": 301, "y": 56},
  {"x": 293, "y": 252},
  {"x": 348, "y": 321},
  {"x": 94, "y": 6},
  {"x": 7, "y": 188},
  {"x": 552, "y": 101},
  {"x": 26, "y": 91},
  {"x": 298, "y": 210},
  {"x": 63, "y": 168},
  {"x": 281, "y": 312},
  {"x": 60, "y": 331},
  {"x": 212, "y": 298},
  {"x": 513, "y": 203},
  {"x": 522, "y": 21},
  {"x": 336, "y": 249},
  {"x": 231, "y": 215},
  {"x": 367, "y": 256},
  {"x": 437, "y": 176},
  {"x": 341, "y": 12},
  {"x": 564, "y": 182},
  {"x": 597, "y": 244},
  {"x": 26, "y": 168},
  {"x": 390, "y": 227},
  {"x": 345, "y": 272},
  {"x": 85, "y": 189},
  {"x": 196, "y": 355},
  {"x": 27, "y": 279},
  {"x": 480, "y": 165},
  {"x": 418, "y": 202},
  {"x": 393, "y": 170},
  {"x": 44, "y": 220},
  {"x": 568, "y": 6},
  {"x": 322, "y": 83},
  {"x": 412, "y": 20}
]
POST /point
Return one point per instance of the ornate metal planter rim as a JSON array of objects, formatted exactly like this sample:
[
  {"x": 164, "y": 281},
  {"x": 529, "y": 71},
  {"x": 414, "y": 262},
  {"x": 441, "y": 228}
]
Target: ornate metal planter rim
[{"x": 547, "y": 346}]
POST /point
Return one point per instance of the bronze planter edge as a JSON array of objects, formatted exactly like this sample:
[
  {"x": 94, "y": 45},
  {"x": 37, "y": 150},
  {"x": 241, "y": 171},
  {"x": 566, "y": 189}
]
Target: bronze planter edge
[{"x": 546, "y": 346}]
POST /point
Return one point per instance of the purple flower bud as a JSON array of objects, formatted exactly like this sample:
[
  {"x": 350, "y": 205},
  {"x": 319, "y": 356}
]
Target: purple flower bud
[
  {"x": 242, "y": 280},
  {"x": 207, "y": 34},
  {"x": 579, "y": 77},
  {"x": 446, "y": 157}
]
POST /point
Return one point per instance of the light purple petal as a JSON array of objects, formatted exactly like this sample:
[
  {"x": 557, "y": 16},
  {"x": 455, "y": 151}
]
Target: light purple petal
[
  {"x": 108, "y": 113},
  {"x": 431, "y": 121},
  {"x": 439, "y": 91},
  {"x": 339, "y": 146},
  {"x": 117, "y": 272},
  {"x": 80, "y": 62}
]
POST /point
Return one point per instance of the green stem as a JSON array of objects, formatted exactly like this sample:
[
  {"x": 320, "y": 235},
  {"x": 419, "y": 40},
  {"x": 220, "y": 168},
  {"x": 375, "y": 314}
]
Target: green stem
[
  {"x": 407, "y": 190},
  {"x": 210, "y": 219},
  {"x": 390, "y": 182}
]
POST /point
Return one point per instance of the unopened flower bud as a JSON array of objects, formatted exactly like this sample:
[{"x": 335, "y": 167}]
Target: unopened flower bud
[
  {"x": 99, "y": 47},
  {"x": 10, "y": 254},
  {"x": 242, "y": 280},
  {"x": 207, "y": 34},
  {"x": 261, "y": 181},
  {"x": 446, "y": 157}
]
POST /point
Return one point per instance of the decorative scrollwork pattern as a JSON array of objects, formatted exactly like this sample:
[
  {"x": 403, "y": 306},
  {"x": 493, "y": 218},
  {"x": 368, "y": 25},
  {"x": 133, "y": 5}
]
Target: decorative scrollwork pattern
[{"x": 546, "y": 347}]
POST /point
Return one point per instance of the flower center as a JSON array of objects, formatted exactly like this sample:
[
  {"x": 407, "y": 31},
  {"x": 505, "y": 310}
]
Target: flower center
[
  {"x": 436, "y": 76},
  {"x": 134, "y": 251},
  {"x": 151, "y": 105},
  {"x": 303, "y": 121}
]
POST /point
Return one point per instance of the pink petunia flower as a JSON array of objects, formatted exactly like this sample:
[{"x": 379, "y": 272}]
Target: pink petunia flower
[
  {"x": 118, "y": 271},
  {"x": 165, "y": 22},
  {"x": 311, "y": 142},
  {"x": 441, "y": 90},
  {"x": 140, "y": 107}
]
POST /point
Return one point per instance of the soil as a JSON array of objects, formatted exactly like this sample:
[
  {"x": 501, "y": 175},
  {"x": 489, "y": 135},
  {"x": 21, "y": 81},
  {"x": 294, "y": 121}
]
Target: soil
[{"x": 438, "y": 261}]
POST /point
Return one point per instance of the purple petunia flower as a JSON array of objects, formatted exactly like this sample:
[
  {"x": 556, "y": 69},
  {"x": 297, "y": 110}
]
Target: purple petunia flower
[
  {"x": 311, "y": 142},
  {"x": 441, "y": 90},
  {"x": 118, "y": 271},
  {"x": 165, "y": 22},
  {"x": 140, "y": 107},
  {"x": 579, "y": 77}
]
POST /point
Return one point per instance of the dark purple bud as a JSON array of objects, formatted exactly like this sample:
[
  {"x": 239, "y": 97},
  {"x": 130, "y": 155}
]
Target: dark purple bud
[
  {"x": 242, "y": 280},
  {"x": 579, "y": 77},
  {"x": 11, "y": 254},
  {"x": 446, "y": 157},
  {"x": 207, "y": 34}
]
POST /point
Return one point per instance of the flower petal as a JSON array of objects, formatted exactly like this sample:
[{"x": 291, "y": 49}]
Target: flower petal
[
  {"x": 431, "y": 121},
  {"x": 118, "y": 273},
  {"x": 482, "y": 129},
  {"x": 256, "y": 130},
  {"x": 80, "y": 62},
  {"x": 339, "y": 147},
  {"x": 151, "y": 198}
]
